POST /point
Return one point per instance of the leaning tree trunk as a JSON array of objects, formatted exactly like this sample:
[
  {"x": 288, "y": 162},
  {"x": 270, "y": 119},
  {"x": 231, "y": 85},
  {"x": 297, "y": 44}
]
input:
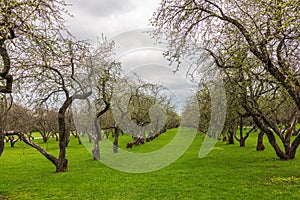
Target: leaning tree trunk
[
  {"x": 61, "y": 163},
  {"x": 37, "y": 147},
  {"x": 285, "y": 137},
  {"x": 260, "y": 144},
  {"x": 272, "y": 140}
]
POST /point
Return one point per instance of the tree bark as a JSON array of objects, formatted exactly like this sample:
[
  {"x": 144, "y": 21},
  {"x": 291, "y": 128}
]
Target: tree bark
[
  {"x": 231, "y": 137},
  {"x": 260, "y": 144},
  {"x": 4, "y": 74},
  {"x": 45, "y": 138},
  {"x": 62, "y": 163},
  {"x": 116, "y": 140},
  {"x": 96, "y": 150},
  {"x": 2, "y": 138},
  {"x": 242, "y": 142},
  {"x": 1, "y": 141},
  {"x": 279, "y": 153},
  {"x": 13, "y": 141},
  {"x": 37, "y": 147},
  {"x": 242, "y": 139}
]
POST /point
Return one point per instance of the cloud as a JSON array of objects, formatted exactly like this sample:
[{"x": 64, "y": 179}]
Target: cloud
[
  {"x": 151, "y": 66},
  {"x": 115, "y": 17},
  {"x": 110, "y": 17},
  {"x": 104, "y": 8}
]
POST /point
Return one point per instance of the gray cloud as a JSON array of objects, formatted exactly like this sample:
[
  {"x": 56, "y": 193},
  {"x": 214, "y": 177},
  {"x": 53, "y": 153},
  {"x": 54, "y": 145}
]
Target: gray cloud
[
  {"x": 115, "y": 17},
  {"x": 104, "y": 8},
  {"x": 110, "y": 17},
  {"x": 150, "y": 66}
]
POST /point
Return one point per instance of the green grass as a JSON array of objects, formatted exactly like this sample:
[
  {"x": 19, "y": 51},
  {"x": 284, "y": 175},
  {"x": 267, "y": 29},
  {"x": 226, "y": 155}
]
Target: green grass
[
  {"x": 148, "y": 146},
  {"x": 228, "y": 172}
]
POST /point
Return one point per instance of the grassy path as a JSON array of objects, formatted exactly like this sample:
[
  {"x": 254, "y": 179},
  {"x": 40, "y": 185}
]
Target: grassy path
[{"x": 228, "y": 172}]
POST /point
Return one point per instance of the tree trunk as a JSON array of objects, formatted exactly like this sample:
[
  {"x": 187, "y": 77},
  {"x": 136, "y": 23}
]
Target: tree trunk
[
  {"x": 45, "y": 138},
  {"x": 96, "y": 150},
  {"x": 260, "y": 144},
  {"x": 278, "y": 151},
  {"x": 230, "y": 138},
  {"x": 1, "y": 141},
  {"x": 62, "y": 163},
  {"x": 242, "y": 142},
  {"x": 4, "y": 73},
  {"x": 12, "y": 143},
  {"x": 116, "y": 141},
  {"x": 37, "y": 147},
  {"x": 292, "y": 154},
  {"x": 106, "y": 133},
  {"x": 78, "y": 139},
  {"x": 67, "y": 138},
  {"x": 287, "y": 155}
]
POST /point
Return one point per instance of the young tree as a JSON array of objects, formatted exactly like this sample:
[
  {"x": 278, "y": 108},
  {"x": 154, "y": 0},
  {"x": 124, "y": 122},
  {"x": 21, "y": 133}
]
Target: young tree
[
  {"x": 107, "y": 75},
  {"x": 103, "y": 77}
]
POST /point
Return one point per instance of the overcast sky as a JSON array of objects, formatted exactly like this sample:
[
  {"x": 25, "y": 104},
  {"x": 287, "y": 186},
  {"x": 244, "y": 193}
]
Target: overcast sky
[
  {"x": 115, "y": 19},
  {"x": 110, "y": 17}
]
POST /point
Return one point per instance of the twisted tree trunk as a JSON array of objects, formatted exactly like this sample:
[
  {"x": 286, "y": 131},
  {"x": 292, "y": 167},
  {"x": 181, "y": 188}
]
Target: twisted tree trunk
[
  {"x": 4, "y": 74},
  {"x": 62, "y": 162}
]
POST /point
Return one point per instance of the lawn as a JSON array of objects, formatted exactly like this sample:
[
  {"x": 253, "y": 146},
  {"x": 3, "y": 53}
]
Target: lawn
[{"x": 228, "y": 172}]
